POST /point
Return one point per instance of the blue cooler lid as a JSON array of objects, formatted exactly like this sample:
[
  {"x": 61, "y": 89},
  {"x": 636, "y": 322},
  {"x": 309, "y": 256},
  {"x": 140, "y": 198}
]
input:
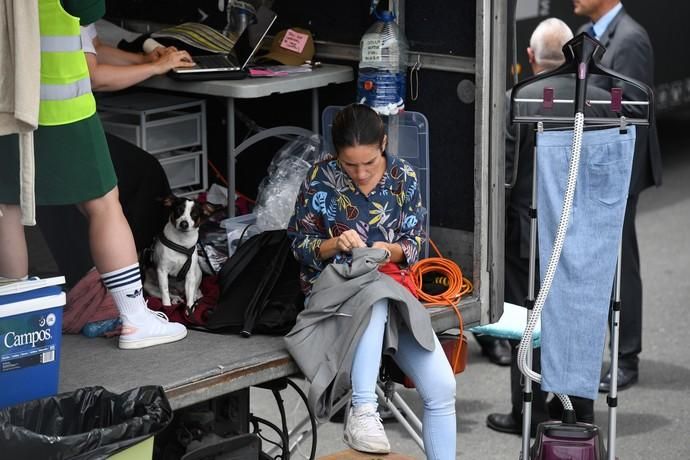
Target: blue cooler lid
[{"x": 28, "y": 295}]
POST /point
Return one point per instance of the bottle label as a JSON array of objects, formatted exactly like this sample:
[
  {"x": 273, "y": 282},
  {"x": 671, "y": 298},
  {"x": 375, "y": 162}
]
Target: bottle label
[{"x": 371, "y": 50}]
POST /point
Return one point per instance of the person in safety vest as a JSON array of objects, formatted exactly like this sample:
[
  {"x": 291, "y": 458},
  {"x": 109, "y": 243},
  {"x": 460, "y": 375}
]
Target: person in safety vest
[{"x": 73, "y": 166}]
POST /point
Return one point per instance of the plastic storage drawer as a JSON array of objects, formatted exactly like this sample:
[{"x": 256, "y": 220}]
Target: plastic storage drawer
[
  {"x": 182, "y": 168},
  {"x": 162, "y": 132}
]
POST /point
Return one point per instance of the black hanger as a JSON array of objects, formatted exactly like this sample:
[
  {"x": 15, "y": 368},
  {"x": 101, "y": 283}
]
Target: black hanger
[{"x": 582, "y": 55}]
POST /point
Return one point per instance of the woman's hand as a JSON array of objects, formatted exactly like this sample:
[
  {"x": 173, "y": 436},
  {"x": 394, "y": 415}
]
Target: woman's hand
[
  {"x": 349, "y": 240},
  {"x": 386, "y": 247},
  {"x": 171, "y": 60},
  {"x": 346, "y": 242},
  {"x": 159, "y": 52}
]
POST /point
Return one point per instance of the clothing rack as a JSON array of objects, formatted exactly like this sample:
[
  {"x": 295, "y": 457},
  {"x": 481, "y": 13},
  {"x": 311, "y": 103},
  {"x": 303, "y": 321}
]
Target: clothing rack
[{"x": 582, "y": 54}]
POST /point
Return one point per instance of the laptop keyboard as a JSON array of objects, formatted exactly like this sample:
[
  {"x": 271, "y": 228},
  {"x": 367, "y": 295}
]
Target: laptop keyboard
[{"x": 213, "y": 62}]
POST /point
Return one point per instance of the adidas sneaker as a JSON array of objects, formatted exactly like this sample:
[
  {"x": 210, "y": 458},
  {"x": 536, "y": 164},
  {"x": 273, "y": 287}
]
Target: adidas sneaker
[{"x": 149, "y": 328}]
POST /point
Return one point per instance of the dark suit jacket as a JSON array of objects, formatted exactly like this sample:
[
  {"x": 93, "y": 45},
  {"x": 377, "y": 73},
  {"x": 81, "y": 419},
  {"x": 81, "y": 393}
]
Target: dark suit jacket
[
  {"x": 520, "y": 196},
  {"x": 629, "y": 52}
]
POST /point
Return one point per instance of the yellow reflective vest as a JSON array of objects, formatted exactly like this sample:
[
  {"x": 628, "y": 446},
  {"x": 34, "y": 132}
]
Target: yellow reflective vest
[{"x": 66, "y": 94}]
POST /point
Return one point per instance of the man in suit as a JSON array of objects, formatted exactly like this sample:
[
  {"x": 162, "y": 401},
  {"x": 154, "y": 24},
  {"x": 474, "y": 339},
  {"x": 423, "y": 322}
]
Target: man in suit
[
  {"x": 628, "y": 52},
  {"x": 545, "y": 54}
]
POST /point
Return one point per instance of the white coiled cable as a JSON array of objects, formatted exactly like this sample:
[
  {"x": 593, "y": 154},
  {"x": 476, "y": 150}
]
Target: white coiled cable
[{"x": 526, "y": 342}]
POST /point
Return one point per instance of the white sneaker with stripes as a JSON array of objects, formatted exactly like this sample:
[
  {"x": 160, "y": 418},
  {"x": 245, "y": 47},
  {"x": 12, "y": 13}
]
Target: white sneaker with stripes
[{"x": 149, "y": 328}]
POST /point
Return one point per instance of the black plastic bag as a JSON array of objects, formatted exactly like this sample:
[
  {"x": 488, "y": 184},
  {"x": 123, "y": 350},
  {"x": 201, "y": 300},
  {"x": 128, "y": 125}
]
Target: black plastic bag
[{"x": 89, "y": 423}]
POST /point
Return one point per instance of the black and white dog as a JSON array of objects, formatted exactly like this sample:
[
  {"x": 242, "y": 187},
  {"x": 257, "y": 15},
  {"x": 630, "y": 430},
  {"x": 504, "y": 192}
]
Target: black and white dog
[{"x": 174, "y": 252}]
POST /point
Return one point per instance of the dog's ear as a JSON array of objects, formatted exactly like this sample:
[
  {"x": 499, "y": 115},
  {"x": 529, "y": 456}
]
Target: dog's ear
[{"x": 169, "y": 201}]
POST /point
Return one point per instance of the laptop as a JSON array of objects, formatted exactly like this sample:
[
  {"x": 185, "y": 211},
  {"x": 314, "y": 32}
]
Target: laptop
[{"x": 219, "y": 66}]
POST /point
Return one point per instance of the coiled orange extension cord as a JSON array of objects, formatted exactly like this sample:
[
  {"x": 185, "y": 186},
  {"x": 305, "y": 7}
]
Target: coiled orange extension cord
[{"x": 457, "y": 287}]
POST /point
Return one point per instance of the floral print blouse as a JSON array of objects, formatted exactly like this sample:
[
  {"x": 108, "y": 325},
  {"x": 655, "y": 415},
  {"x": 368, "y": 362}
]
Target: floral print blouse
[{"x": 329, "y": 204}]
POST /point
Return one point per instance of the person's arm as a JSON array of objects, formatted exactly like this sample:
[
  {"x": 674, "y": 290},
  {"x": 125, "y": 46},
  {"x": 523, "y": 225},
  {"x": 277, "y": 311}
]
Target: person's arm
[
  {"x": 112, "y": 69},
  {"x": 110, "y": 55},
  {"x": 635, "y": 59},
  {"x": 405, "y": 250},
  {"x": 312, "y": 243},
  {"x": 305, "y": 229},
  {"x": 114, "y": 56}
]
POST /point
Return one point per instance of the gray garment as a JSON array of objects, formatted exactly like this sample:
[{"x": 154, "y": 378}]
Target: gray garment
[{"x": 327, "y": 331}]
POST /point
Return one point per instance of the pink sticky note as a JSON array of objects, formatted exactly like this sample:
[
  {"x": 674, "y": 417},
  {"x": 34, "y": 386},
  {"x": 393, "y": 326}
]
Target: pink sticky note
[{"x": 294, "y": 41}]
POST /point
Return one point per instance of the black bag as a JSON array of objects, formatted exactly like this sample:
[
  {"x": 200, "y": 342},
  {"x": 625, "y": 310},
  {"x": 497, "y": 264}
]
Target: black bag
[
  {"x": 259, "y": 288},
  {"x": 88, "y": 423}
]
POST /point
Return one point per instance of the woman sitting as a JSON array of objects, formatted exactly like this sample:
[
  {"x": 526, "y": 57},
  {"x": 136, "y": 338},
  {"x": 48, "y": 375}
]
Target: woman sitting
[{"x": 354, "y": 212}]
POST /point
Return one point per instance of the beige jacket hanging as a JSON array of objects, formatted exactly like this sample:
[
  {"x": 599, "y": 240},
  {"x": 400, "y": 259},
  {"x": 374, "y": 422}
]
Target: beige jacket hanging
[{"x": 20, "y": 80}]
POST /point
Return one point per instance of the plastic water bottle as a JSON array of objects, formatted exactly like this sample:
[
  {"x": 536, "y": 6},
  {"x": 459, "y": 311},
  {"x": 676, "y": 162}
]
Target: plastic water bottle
[
  {"x": 100, "y": 328},
  {"x": 383, "y": 66}
]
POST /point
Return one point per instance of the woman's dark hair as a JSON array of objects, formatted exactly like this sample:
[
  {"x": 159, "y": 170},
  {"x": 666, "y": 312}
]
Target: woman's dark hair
[{"x": 357, "y": 124}]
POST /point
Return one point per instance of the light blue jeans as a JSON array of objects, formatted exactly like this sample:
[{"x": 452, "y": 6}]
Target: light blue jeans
[
  {"x": 574, "y": 319},
  {"x": 430, "y": 371}
]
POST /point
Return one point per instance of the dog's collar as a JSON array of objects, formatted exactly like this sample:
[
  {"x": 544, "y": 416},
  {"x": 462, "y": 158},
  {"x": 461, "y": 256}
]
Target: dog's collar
[{"x": 189, "y": 252}]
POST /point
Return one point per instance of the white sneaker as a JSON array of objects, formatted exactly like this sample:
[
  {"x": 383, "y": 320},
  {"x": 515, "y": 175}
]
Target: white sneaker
[
  {"x": 364, "y": 431},
  {"x": 149, "y": 328}
]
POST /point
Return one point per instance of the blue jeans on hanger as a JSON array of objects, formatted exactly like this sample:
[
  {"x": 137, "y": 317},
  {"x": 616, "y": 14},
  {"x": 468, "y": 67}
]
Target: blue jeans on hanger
[
  {"x": 574, "y": 319},
  {"x": 436, "y": 390}
]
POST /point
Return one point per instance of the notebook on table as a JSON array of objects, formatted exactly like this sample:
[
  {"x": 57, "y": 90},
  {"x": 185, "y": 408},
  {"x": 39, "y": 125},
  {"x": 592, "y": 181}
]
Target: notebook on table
[{"x": 220, "y": 66}]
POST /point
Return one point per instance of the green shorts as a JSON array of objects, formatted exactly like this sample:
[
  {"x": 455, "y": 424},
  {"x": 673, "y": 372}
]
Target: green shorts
[{"x": 72, "y": 164}]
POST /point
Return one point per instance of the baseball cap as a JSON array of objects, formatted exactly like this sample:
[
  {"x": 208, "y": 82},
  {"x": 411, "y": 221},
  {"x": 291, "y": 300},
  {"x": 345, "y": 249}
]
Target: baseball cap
[{"x": 293, "y": 46}]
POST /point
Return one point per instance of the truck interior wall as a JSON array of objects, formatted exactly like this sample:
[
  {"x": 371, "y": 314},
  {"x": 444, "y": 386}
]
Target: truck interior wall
[
  {"x": 445, "y": 27},
  {"x": 451, "y": 122}
]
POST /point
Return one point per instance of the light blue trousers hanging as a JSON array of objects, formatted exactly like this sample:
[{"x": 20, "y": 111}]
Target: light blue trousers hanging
[{"x": 574, "y": 319}]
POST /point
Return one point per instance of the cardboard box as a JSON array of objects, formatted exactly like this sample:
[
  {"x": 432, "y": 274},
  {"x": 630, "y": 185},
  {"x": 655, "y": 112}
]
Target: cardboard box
[{"x": 30, "y": 336}]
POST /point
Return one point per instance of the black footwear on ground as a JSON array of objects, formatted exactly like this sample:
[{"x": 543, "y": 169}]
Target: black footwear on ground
[
  {"x": 506, "y": 423},
  {"x": 626, "y": 378},
  {"x": 497, "y": 350}
]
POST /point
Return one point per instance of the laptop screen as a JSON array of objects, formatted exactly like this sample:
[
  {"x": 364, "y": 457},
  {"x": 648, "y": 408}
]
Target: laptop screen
[
  {"x": 217, "y": 66},
  {"x": 256, "y": 47}
]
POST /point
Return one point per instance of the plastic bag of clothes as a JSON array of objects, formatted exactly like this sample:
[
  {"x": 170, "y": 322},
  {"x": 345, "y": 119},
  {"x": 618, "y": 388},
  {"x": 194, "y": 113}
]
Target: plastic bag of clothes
[{"x": 88, "y": 423}]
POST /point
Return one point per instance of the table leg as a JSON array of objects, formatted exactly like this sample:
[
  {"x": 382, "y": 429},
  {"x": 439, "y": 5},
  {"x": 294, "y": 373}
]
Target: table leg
[{"x": 230, "y": 117}]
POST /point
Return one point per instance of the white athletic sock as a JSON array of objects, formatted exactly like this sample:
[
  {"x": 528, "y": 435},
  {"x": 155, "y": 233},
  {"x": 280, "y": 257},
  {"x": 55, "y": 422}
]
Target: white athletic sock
[{"x": 125, "y": 286}]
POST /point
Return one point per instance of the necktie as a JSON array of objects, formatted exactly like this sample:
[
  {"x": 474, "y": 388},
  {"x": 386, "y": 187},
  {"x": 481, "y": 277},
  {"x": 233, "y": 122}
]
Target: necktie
[{"x": 590, "y": 31}]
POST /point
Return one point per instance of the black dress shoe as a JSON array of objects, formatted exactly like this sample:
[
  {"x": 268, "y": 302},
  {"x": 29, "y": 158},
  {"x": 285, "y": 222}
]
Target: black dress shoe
[
  {"x": 626, "y": 378},
  {"x": 497, "y": 350},
  {"x": 505, "y": 423}
]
